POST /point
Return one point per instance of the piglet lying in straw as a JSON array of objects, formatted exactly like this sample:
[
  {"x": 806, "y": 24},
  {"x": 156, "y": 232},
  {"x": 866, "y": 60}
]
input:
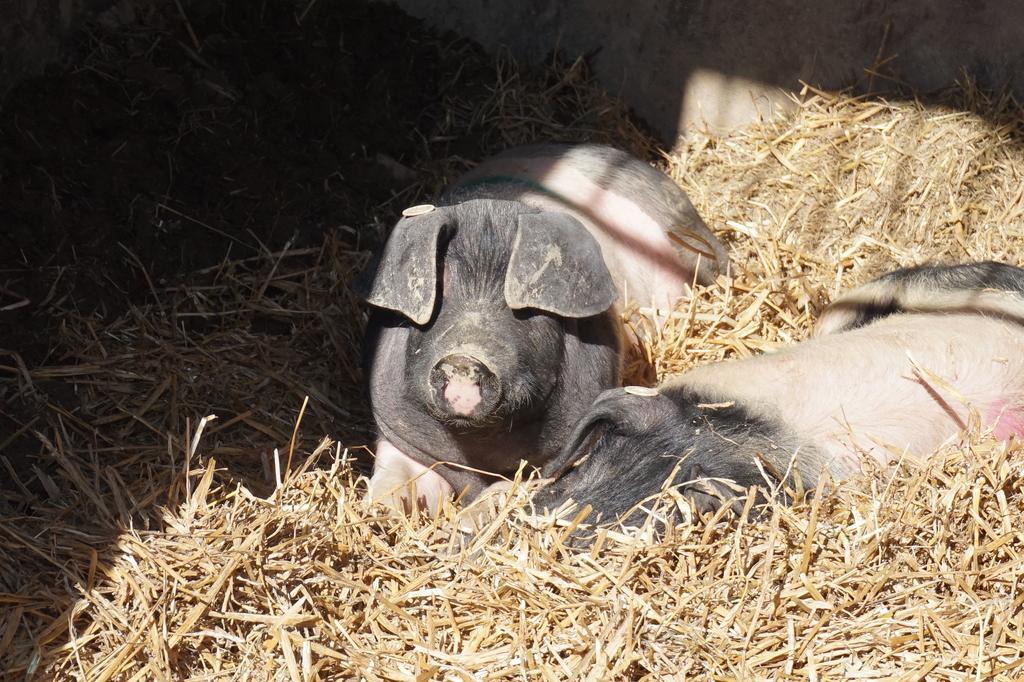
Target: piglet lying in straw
[
  {"x": 897, "y": 367},
  {"x": 494, "y": 323}
]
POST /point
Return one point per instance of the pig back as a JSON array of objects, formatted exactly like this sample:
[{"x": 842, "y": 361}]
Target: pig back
[
  {"x": 652, "y": 239},
  {"x": 904, "y": 384},
  {"x": 985, "y": 288}
]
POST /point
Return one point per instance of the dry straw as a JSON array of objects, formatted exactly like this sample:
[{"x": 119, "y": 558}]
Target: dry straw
[{"x": 169, "y": 545}]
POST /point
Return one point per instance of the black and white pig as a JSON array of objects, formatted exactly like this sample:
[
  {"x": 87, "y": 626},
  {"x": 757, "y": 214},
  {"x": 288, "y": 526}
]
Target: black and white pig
[
  {"x": 493, "y": 314},
  {"x": 895, "y": 369}
]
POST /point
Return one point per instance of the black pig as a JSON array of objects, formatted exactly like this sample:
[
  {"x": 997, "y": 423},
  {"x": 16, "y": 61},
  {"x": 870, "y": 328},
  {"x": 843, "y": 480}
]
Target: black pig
[{"x": 494, "y": 321}]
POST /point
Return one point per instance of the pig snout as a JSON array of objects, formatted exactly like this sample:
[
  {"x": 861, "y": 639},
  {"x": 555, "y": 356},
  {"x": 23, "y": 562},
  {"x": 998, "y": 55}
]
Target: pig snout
[{"x": 463, "y": 386}]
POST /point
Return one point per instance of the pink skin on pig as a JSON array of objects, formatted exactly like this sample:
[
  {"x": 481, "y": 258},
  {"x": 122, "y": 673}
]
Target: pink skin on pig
[
  {"x": 394, "y": 476},
  {"x": 636, "y": 249},
  {"x": 462, "y": 394},
  {"x": 859, "y": 392},
  {"x": 1006, "y": 420}
]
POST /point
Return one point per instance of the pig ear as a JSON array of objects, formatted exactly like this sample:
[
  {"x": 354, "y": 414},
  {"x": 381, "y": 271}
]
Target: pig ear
[
  {"x": 557, "y": 266},
  {"x": 405, "y": 278},
  {"x": 613, "y": 409}
]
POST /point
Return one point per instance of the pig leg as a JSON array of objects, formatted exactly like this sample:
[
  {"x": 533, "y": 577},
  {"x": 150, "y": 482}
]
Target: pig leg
[
  {"x": 397, "y": 478},
  {"x": 634, "y": 443},
  {"x": 987, "y": 288}
]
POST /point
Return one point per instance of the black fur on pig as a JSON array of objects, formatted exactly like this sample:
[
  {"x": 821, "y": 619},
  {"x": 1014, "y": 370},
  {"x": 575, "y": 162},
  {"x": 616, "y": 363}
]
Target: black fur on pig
[
  {"x": 549, "y": 366},
  {"x": 712, "y": 452}
]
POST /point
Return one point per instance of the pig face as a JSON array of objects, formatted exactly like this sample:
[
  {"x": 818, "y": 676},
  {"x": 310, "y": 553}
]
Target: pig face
[
  {"x": 633, "y": 441},
  {"x": 479, "y": 362},
  {"x": 480, "y": 305}
]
